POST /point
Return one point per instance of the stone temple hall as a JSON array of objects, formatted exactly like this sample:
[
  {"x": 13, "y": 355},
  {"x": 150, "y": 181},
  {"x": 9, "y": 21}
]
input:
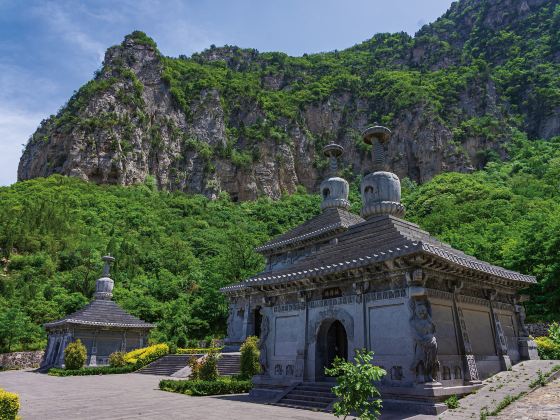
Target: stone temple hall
[
  {"x": 438, "y": 320},
  {"x": 102, "y": 326}
]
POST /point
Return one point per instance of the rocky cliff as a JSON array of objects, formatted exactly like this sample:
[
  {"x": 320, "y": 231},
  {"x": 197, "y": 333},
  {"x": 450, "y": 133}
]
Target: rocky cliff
[{"x": 253, "y": 124}]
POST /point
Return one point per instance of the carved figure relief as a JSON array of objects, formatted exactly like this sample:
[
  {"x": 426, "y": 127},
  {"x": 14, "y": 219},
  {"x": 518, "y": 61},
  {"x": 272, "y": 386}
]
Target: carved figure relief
[
  {"x": 290, "y": 370},
  {"x": 263, "y": 357},
  {"x": 425, "y": 362}
]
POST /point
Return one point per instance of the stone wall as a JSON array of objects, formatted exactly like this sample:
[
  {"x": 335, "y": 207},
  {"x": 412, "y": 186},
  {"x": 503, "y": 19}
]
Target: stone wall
[
  {"x": 21, "y": 359},
  {"x": 539, "y": 329}
]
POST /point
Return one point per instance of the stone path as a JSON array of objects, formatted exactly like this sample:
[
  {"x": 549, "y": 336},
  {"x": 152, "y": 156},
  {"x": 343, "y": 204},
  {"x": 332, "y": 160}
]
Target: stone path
[
  {"x": 542, "y": 404},
  {"x": 134, "y": 396},
  {"x": 504, "y": 384}
]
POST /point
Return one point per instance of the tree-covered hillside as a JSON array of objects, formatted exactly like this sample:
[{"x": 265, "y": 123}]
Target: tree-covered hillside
[{"x": 174, "y": 251}]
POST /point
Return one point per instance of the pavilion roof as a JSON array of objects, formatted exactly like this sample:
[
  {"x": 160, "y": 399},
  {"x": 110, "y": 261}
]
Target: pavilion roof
[
  {"x": 101, "y": 312},
  {"x": 378, "y": 239},
  {"x": 327, "y": 223}
]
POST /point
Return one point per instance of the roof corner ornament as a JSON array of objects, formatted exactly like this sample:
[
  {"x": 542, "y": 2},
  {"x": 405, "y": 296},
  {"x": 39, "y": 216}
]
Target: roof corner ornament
[
  {"x": 104, "y": 285},
  {"x": 377, "y": 136},
  {"x": 107, "y": 267},
  {"x": 334, "y": 189},
  {"x": 381, "y": 190}
]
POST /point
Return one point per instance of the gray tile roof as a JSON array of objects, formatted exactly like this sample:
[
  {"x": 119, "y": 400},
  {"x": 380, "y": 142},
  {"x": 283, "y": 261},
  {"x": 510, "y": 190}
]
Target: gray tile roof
[
  {"x": 104, "y": 313},
  {"x": 329, "y": 222},
  {"x": 379, "y": 239}
]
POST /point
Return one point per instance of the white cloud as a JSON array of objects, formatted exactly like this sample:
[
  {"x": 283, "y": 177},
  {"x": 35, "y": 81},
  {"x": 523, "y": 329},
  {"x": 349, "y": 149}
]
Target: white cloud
[
  {"x": 16, "y": 126},
  {"x": 61, "y": 18}
]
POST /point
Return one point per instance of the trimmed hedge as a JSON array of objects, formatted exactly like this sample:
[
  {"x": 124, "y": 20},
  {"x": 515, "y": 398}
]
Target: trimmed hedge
[
  {"x": 100, "y": 370},
  {"x": 198, "y": 350},
  {"x": 197, "y": 388},
  {"x": 9, "y": 405}
]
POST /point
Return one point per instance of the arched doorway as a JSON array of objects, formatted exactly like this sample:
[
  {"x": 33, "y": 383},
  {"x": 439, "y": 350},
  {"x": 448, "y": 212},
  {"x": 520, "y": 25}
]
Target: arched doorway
[{"x": 332, "y": 342}]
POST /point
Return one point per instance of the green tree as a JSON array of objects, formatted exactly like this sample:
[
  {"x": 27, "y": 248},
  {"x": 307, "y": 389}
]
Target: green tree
[
  {"x": 355, "y": 387},
  {"x": 16, "y": 329}
]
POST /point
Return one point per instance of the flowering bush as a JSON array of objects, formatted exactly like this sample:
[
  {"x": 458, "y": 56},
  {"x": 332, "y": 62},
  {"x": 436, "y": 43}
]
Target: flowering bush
[
  {"x": 199, "y": 350},
  {"x": 116, "y": 359},
  {"x": 9, "y": 405},
  {"x": 549, "y": 347},
  {"x": 145, "y": 356}
]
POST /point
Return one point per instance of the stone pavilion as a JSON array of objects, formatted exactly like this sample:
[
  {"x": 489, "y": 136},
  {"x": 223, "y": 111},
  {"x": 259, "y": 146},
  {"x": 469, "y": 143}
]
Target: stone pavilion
[
  {"x": 102, "y": 326},
  {"x": 438, "y": 320}
]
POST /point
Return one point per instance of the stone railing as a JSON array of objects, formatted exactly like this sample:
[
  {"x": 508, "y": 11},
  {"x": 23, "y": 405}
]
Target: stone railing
[{"x": 21, "y": 359}]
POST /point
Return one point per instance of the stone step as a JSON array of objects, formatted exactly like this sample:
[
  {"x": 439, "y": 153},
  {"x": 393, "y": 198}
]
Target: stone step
[
  {"x": 166, "y": 365},
  {"x": 315, "y": 398},
  {"x": 312, "y": 393},
  {"x": 302, "y": 404}
]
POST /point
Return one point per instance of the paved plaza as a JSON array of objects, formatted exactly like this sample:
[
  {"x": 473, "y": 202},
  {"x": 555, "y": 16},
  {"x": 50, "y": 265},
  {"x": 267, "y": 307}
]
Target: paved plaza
[{"x": 133, "y": 396}]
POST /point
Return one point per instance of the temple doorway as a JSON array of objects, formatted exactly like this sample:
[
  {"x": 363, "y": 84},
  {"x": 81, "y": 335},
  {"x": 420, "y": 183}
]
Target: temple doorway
[
  {"x": 258, "y": 321},
  {"x": 332, "y": 342}
]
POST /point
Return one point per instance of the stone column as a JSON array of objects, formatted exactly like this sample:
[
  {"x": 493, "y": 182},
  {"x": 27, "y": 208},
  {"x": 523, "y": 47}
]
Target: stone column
[
  {"x": 301, "y": 357},
  {"x": 93, "y": 355},
  {"x": 465, "y": 349},
  {"x": 499, "y": 336},
  {"x": 527, "y": 347}
]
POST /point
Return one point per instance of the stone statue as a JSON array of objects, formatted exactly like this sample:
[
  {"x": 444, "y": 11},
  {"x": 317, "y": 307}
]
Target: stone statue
[
  {"x": 230, "y": 322},
  {"x": 425, "y": 344},
  {"x": 263, "y": 357}
]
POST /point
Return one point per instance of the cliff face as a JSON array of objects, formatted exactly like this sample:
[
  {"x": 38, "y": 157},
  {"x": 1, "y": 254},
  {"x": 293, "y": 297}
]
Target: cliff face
[{"x": 253, "y": 124}]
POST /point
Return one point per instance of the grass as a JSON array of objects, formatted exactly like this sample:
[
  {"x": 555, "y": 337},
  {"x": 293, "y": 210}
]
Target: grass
[{"x": 452, "y": 402}]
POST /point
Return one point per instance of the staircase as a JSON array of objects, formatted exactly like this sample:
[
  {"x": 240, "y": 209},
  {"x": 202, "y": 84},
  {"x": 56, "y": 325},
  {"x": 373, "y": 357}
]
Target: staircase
[
  {"x": 229, "y": 364},
  {"x": 166, "y": 365},
  {"x": 315, "y": 396}
]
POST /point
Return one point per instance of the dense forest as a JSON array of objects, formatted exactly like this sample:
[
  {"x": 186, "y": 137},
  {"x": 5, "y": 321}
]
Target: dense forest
[{"x": 174, "y": 251}]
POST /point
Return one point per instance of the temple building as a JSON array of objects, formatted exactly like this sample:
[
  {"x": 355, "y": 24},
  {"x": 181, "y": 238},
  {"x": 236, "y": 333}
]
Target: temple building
[
  {"x": 438, "y": 320},
  {"x": 102, "y": 326}
]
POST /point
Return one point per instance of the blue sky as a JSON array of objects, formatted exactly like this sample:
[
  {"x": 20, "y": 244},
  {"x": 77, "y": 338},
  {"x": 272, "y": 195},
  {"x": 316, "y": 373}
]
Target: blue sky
[{"x": 48, "y": 49}]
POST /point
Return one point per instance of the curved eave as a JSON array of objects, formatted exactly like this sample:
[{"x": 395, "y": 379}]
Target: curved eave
[
  {"x": 97, "y": 324},
  {"x": 300, "y": 240},
  {"x": 477, "y": 265},
  {"x": 500, "y": 274}
]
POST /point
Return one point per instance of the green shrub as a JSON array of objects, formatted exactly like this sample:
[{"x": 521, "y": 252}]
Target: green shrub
[
  {"x": 209, "y": 367},
  {"x": 9, "y": 405},
  {"x": 250, "y": 365},
  {"x": 116, "y": 359},
  {"x": 75, "y": 355},
  {"x": 101, "y": 370},
  {"x": 200, "y": 388},
  {"x": 452, "y": 402}
]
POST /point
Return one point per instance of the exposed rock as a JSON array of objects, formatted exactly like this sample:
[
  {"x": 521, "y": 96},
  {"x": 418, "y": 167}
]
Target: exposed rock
[{"x": 127, "y": 125}]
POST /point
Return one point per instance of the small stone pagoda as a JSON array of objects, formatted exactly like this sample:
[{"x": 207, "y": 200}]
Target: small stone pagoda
[
  {"x": 438, "y": 320},
  {"x": 102, "y": 326}
]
